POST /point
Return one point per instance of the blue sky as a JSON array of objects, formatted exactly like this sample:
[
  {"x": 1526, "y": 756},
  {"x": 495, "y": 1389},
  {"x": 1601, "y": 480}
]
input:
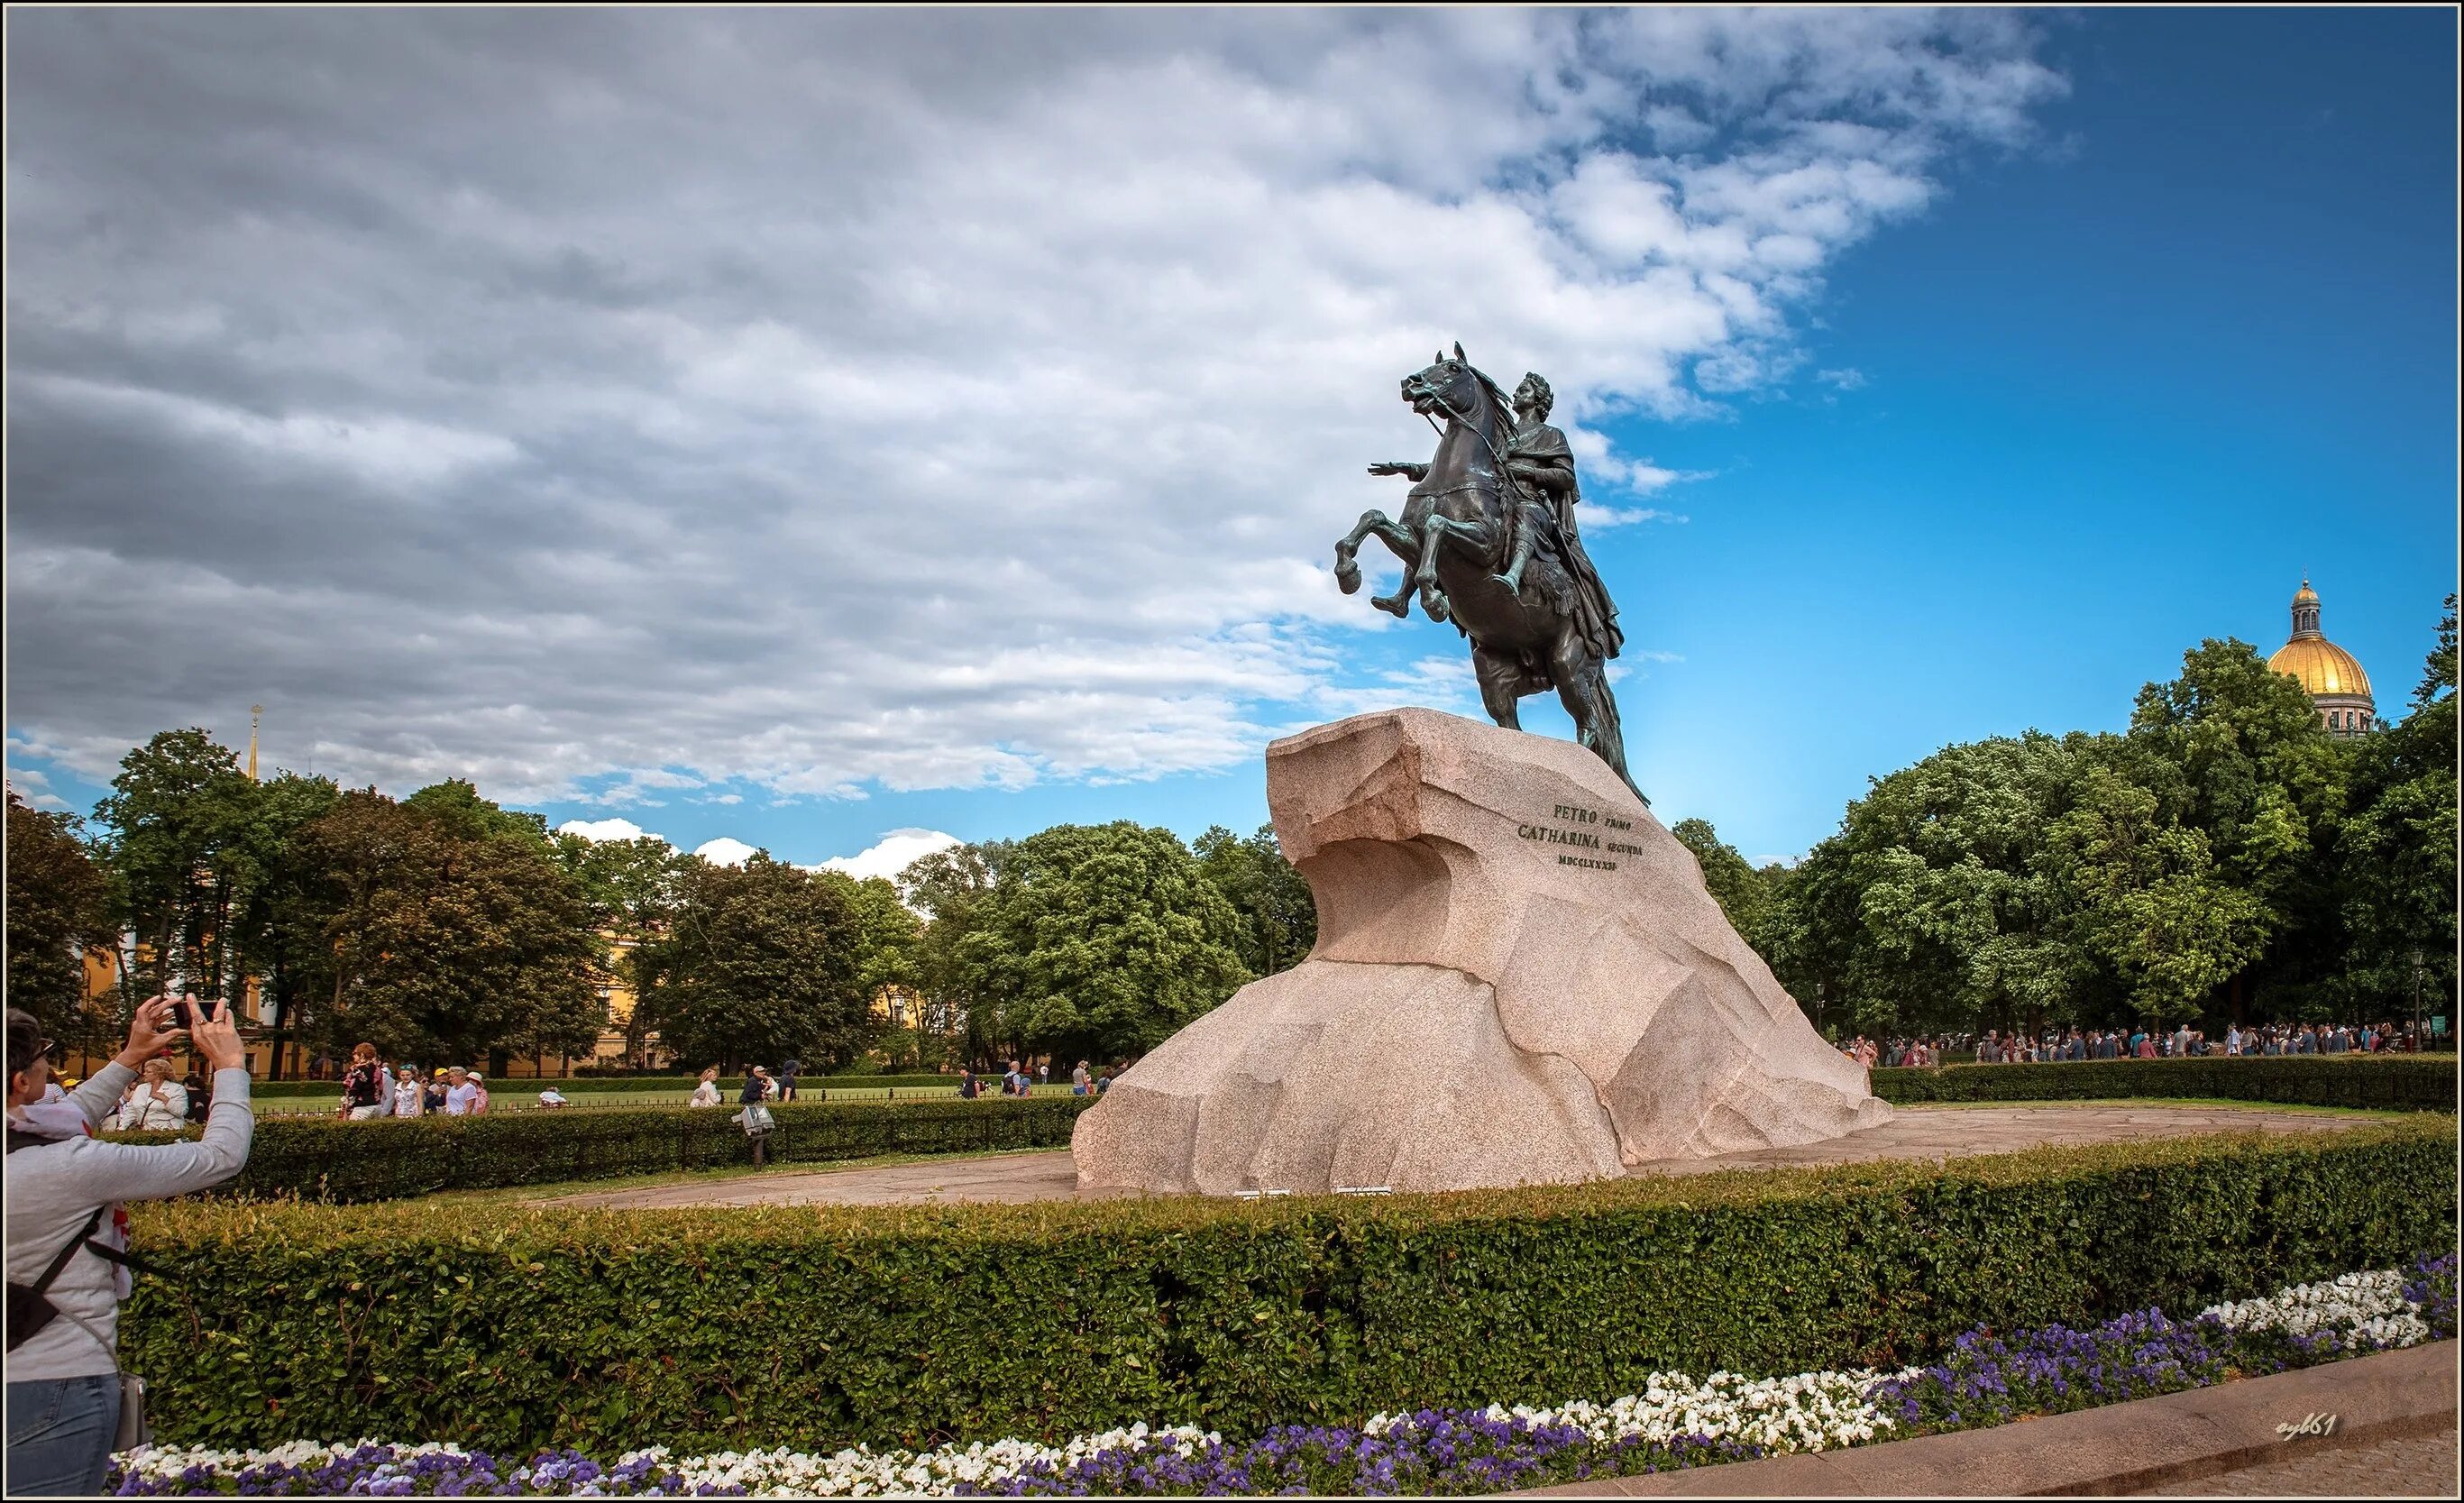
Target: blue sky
[{"x": 2117, "y": 382}]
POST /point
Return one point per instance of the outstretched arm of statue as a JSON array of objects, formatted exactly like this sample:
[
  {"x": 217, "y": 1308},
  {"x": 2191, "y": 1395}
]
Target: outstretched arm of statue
[{"x": 1402, "y": 467}]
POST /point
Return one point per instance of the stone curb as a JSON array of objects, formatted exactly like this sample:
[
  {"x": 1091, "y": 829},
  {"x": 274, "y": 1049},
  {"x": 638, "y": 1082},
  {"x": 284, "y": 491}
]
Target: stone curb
[{"x": 2104, "y": 1452}]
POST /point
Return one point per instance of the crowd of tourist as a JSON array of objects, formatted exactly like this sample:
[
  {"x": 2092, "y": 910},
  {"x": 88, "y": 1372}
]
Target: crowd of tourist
[
  {"x": 2182, "y": 1042},
  {"x": 372, "y": 1089}
]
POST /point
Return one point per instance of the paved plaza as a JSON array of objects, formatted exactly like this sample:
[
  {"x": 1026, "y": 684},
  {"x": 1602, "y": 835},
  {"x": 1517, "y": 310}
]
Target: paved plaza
[
  {"x": 1924, "y": 1133},
  {"x": 2416, "y": 1467}
]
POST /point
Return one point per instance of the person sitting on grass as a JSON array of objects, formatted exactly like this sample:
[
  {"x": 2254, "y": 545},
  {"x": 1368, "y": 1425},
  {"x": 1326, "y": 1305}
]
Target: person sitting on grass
[
  {"x": 65, "y": 1192},
  {"x": 706, "y": 1094}
]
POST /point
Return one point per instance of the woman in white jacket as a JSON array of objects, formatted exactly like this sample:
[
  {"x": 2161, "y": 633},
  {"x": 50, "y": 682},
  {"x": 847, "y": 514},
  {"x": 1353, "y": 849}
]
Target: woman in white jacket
[
  {"x": 66, "y": 1228},
  {"x": 155, "y": 1104}
]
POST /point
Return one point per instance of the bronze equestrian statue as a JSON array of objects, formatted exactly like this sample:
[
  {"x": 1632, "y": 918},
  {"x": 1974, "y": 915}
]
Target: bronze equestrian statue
[{"x": 1487, "y": 538}]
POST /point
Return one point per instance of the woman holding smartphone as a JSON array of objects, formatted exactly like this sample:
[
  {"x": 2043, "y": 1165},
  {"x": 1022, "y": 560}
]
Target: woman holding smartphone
[{"x": 68, "y": 1233}]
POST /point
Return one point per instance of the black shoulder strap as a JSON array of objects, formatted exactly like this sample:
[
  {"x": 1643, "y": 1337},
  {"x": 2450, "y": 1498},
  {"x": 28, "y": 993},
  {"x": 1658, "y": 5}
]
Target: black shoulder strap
[
  {"x": 83, "y": 1237},
  {"x": 127, "y": 1260}
]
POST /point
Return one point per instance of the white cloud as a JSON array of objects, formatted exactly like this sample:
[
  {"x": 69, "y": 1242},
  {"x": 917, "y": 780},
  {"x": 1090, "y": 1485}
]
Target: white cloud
[
  {"x": 726, "y": 851},
  {"x": 1624, "y": 515},
  {"x": 1850, "y": 379},
  {"x": 598, "y": 829},
  {"x": 890, "y": 854},
  {"x": 973, "y": 402},
  {"x": 34, "y": 787}
]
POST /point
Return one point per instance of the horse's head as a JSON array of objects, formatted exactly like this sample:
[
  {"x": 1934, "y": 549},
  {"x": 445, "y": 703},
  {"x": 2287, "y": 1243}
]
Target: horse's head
[{"x": 1449, "y": 387}]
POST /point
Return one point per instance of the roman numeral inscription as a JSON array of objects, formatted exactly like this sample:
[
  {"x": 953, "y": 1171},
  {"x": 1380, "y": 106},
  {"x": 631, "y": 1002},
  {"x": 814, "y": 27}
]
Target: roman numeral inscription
[{"x": 1565, "y": 829}]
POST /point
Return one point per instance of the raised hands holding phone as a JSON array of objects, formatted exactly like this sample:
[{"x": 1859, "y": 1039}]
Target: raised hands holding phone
[{"x": 157, "y": 1027}]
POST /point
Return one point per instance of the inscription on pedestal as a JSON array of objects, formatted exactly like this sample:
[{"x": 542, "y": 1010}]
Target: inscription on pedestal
[{"x": 1558, "y": 834}]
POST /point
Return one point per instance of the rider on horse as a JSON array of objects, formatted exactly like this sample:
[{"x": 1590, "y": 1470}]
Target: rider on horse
[{"x": 1542, "y": 464}]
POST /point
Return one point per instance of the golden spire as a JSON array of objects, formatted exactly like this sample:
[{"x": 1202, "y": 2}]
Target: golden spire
[{"x": 253, "y": 710}]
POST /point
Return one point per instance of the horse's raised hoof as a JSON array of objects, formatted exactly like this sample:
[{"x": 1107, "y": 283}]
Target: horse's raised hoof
[
  {"x": 1347, "y": 576},
  {"x": 1434, "y": 602},
  {"x": 1393, "y": 604}
]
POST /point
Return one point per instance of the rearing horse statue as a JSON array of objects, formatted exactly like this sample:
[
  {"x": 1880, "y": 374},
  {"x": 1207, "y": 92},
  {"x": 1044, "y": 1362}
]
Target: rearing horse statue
[{"x": 1459, "y": 530}]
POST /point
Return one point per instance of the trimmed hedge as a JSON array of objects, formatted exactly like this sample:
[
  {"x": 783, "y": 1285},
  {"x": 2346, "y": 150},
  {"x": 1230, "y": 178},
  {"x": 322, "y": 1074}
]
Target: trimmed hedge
[
  {"x": 322, "y": 1159},
  {"x": 592, "y": 1085},
  {"x": 515, "y": 1329},
  {"x": 2397, "y": 1082}
]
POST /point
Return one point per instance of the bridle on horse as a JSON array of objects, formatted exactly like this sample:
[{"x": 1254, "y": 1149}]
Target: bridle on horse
[{"x": 1506, "y": 481}]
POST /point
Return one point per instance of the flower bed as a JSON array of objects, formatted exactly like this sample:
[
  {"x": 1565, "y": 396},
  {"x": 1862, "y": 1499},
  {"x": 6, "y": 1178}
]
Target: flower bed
[
  {"x": 513, "y": 1329},
  {"x": 1674, "y": 1422}
]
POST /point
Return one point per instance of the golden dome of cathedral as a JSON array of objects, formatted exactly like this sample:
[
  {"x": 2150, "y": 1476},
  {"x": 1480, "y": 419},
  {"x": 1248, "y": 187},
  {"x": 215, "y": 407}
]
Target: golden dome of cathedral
[
  {"x": 2332, "y": 677},
  {"x": 2322, "y": 667}
]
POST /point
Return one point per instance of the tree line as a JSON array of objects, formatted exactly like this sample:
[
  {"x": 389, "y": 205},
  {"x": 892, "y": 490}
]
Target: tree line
[
  {"x": 442, "y": 926},
  {"x": 2224, "y": 857}
]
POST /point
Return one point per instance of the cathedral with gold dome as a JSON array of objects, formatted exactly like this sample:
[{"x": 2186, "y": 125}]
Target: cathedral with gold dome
[{"x": 2332, "y": 677}]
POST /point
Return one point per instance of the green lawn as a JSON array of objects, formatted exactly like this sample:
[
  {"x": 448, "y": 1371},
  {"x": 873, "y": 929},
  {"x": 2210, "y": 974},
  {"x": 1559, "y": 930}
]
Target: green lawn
[
  {"x": 523, "y": 1096},
  {"x": 2157, "y": 1102}
]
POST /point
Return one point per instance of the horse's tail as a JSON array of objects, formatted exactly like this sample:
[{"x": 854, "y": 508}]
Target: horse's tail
[{"x": 1609, "y": 732}]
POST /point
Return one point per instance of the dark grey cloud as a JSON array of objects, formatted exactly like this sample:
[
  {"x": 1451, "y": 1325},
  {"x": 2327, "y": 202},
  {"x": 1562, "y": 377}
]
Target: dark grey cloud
[{"x": 831, "y": 398}]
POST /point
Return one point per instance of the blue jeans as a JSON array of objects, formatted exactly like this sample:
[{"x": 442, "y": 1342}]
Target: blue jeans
[{"x": 60, "y": 1432}]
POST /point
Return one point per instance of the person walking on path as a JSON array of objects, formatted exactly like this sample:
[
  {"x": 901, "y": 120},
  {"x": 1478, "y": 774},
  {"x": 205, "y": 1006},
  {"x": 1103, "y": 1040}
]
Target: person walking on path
[
  {"x": 755, "y": 1116},
  {"x": 407, "y": 1098},
  {"x": 1078, "y": 1079},
  {"x": 459, "y": 1091},
  {"x": 787, "y": 1080},
  {"x": 65, "y": 1190}
]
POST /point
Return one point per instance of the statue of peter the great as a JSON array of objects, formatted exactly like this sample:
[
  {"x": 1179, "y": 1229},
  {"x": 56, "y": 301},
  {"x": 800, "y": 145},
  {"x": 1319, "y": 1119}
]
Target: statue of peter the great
[{"x": 1542, "y": 464}]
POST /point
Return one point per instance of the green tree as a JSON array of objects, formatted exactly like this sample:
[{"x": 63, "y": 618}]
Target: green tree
[
  {"x": 632, "y": 889},
  {"x": 278, "y": 923},
  {"x": 1744, "y": 893},
  {"x": 1102, "y": 939},
  {"x": 887, "y": 933},
  {"x": 950, "y": 889},
  {"x": 447, "y": 944},
  {"x": 2396, "y": 877},
  {"x": 2233, "y": 750},
  {"x": 1278, "y": 915},
  {"x": 58, "y": 909},
  {"x": 1932, "y": 908},
  {"x": 762, "y": 964},
  {"x": 456, "y": 806},
  {"x": 2145, "y": 895},
  {"x": 180, "y": 848}
]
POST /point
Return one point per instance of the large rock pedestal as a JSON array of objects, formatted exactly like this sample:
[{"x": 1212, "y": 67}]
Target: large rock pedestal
[{"x": 1519, "y": 978}]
